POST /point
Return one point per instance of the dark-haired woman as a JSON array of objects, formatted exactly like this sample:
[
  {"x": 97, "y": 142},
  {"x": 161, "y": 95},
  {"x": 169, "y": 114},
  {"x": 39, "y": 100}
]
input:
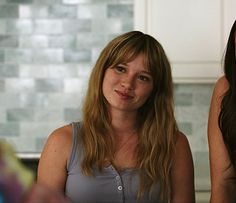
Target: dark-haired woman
[{"x": 222, "y": 129}]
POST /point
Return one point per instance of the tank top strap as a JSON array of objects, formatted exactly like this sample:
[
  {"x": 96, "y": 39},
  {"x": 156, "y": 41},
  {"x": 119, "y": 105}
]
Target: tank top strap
[{"x": 74, "y": 154}]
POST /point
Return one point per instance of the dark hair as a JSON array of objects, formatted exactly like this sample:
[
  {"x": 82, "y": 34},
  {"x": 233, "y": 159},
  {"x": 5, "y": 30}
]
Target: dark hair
[{"x": 227, "y": 117}]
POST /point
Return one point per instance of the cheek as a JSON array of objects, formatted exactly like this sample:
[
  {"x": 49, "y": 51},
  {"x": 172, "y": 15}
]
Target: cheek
[
  {"x": 149, "y": 89},
  {"x": 147, "y": 92},
  {"x": 107, "y": 83},
  {"x": 110, "y": 79},
  {"x": 104, "y": 86}
]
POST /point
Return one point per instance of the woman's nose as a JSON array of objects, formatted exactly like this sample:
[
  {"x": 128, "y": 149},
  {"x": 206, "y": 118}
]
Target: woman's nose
[{"x": 128, "y": 82}]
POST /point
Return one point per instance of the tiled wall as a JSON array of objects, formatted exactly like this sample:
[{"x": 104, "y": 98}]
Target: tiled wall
[
  {"x": 47, "y": 49},
  {"x": 191, "y": 109}
]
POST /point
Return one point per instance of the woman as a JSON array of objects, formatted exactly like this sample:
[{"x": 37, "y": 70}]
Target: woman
[
  {"x": 127, "y": 148},
  {"x": 222, "y": 130}
]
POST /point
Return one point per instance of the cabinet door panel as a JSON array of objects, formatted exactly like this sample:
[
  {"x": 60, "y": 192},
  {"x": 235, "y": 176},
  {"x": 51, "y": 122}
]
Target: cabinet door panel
[{"x": 193, "y": 33}]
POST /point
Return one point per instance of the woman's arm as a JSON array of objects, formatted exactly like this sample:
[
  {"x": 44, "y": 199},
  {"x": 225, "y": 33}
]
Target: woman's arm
[
  {"x": 40, "y": 193},
  {"x": 221, "y": 186},
  {"x": 182, "y": 173},
  {"x": 52, "y": 165}
]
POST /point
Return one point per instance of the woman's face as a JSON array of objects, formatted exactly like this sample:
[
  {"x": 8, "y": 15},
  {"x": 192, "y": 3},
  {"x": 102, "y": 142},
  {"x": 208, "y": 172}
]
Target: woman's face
[{"x": 127, "y": 86}]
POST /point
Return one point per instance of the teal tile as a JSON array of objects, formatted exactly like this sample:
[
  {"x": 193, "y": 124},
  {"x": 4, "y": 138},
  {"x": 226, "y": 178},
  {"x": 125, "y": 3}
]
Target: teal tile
[
  {"x": 2, "y": 85},
  {"x": 44, "y": 26},
  {"x": 90, "y": 40},
  {"x": 8, "y": 100},
  {"x": 97, "y": 10},
  {"x": 33, "y": 41},
  {"x": 18, "y": 56},
  {"x": 2, "y": 56},
  {"x": 84, "y": 11},
  {"x": 186, "y": 128},
  {"x": 20, "y": 114},
  {"x": 48, "y": 85},
  {"x": 185, "y": 88},
  {"x": 18, "y": 85},
  {"x": 63, "y": 71},
  {"x": 201, "y": 164},
  {"x": 120, "y": 11},
  {"x": 2, "y": 113},
  {"x": 39, "y": 143},
  {"x": 202, "y": 99},
  {"x": 183, "y": 99},
  {"x": 20, "y": 1},
  {"x": 33, "y": 100},
  {"x": 48, "y": 114},
  {"x": 3, "y": 26},
  {"x": 40, "y": 11},
  {"x": 72, "y": 114},
  {"x": 8, "y": 41},
  {"x": 48, "y": 56},
  {"x": 9, "y": 129},
  {"x": 77, "y": 56},
  {"x": 112, "y": 36},
  {"x": 62, "y": 11},
  {"x": 33, "y": 11},
  {"x": 62, "y": 41},
  {"x": 47, "y": 2},
  {"x": 76, "y": 26},
  {"x": 128, "y": 25},
  {"x": 9, "y": 11},
  {"x": 201, "y": 93},
  {"x": 9, "y": 70}
]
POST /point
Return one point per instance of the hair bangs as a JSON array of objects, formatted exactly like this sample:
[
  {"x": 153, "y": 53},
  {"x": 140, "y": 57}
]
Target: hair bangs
[{"x": 125, "y": 51}]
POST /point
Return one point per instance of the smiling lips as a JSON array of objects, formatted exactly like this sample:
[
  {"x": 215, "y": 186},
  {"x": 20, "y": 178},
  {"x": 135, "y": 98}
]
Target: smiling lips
[{"x": 124, "y": 95}]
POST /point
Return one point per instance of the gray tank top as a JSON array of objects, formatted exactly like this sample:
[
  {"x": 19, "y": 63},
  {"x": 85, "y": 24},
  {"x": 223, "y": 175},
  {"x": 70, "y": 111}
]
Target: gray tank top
[{"x": 107, "y": 186}]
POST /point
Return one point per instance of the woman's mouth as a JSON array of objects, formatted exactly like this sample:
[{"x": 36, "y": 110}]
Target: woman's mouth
[{"x": 123, "y": 95}]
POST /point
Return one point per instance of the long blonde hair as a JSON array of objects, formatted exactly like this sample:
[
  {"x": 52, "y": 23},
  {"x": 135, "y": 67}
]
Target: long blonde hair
[{"x": 158, "y": 128}]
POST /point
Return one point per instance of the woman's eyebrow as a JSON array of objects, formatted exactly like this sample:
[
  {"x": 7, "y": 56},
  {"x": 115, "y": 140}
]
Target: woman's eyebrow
[
  {"x": 146, "y": 72},
  {"x": 123, "y": 64}
]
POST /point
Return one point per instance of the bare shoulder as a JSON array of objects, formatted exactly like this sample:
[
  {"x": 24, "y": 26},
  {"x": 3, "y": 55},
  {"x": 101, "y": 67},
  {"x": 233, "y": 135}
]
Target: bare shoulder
[
  {"x": 181, "y": 140},
  {"x": 59, "y": 141},
  {"x": 221, "y": 86},
  {"x": 61, "y": 135},
  {"x": 182, "y": 149},
  {"x": 54, "y": 157},
  {"x": 182, "y": 172},
  {"x": 183, "y": 152}
]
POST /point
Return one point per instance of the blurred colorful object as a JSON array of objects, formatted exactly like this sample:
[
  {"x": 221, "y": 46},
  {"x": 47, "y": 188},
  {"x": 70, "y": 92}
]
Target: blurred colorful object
[{"x": 15, "y": 178}]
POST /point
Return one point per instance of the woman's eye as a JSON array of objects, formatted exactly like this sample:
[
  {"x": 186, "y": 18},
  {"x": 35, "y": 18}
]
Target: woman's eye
[
  {"x": 143, "y": 78},
  {"x": 120, "y": 69}
]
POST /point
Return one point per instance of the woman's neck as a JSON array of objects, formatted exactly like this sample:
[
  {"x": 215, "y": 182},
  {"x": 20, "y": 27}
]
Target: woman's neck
[{"x": 124, "y": 123}]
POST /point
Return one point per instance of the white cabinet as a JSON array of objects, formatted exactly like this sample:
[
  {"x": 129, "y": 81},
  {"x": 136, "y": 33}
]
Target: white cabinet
[{"x": 192, "y": 32}]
